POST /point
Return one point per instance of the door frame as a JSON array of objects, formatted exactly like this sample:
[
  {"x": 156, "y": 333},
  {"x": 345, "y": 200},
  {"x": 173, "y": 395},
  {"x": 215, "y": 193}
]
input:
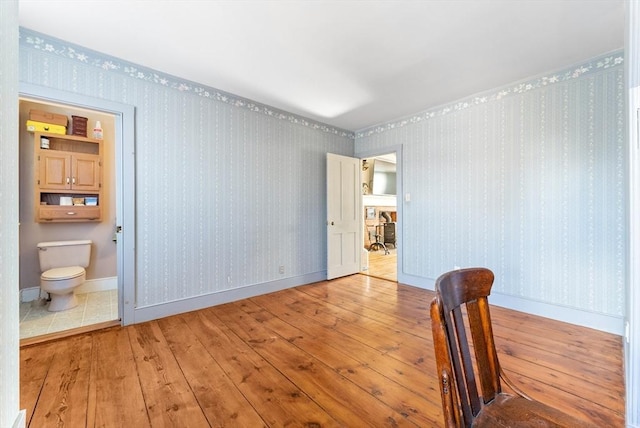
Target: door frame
[
  {"x": 397, "y": 149},
  {"x": 124, "y": 120}
]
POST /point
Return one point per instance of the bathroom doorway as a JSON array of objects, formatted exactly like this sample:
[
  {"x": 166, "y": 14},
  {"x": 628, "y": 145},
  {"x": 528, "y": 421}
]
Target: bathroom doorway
[
  {"x": 98, "y": 296},
  {"x": 104, "y": 299},
  {"x": 380, "y": 186}
]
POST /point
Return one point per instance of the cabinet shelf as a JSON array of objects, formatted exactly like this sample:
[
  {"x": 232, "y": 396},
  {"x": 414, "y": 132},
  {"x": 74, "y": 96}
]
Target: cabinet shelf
[{"x": 68, "y": 166}]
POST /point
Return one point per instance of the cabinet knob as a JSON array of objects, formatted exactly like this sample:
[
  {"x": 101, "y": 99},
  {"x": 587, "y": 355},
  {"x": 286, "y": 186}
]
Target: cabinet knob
[{"x": 70, "y": 213}]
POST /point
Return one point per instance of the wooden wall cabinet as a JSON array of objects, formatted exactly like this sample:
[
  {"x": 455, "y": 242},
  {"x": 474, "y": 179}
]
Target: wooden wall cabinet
[{"x": 71, "y": 167}]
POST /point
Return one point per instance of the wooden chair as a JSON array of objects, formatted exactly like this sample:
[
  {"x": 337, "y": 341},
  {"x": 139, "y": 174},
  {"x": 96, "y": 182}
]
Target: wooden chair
[{"x": 470, "y": 385}]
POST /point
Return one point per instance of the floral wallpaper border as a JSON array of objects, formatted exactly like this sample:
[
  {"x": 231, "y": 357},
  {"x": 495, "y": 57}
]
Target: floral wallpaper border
[
  {"x": 600, "y": 63},
  {"x": 39, "y": 41},
  {"x": 35, "y": 40}
]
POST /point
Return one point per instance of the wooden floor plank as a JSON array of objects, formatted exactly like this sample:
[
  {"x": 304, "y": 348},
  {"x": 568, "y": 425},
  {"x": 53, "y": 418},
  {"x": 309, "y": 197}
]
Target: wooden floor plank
[
  {"x": 572, "y": 401},
  {"x": 222, "y": 403},
  {"x": 412, "y": 403},
  {"x": 279, "y": 401},
  {"x": 524, "y": 359},
  {"x": 168, "y": 397},
  {"x": 580, "y": 346},
  {"x": 118, "y": 397},
  {"x": 383, "y": 265},
  {"x": 380, "y": 305},
  {"x": 413, "y": 318},
  {"x": 354, "y": 351},
  {"x": 349, "y": 403},
  {"x": 414, "y": 378},
  {"x": 35, "y": 363},
  {"x": 387, "y": 338},
  {"x": 63, "y": 400}
]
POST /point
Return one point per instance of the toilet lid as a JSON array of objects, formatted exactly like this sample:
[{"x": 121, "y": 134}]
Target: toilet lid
[{"x": 63, "y": 273}]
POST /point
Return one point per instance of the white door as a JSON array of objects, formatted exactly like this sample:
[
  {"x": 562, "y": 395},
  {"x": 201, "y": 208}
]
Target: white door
[{"x": 344, "y": 231}]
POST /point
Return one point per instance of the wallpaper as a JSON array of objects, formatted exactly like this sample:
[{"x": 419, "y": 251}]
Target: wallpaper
[
  {"x": 528, "y": 180},
  {"x": 9, "y": 337},
  {"x": 227, "y": 190}
]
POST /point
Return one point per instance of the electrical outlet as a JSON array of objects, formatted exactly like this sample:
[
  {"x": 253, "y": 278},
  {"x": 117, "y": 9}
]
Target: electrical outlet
[{"x": 281, "y": 269}]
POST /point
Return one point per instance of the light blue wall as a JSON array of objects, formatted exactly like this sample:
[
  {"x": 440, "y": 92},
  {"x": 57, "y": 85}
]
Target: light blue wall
[
  {"x": 9, "y": 329},
  {"x": 227, "y": 190},
  {"x": 529, "y": 180}
]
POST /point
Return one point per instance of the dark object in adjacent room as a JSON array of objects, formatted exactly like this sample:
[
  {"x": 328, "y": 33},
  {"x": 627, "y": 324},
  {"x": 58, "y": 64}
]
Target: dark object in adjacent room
[{"x": 390, "y": 234}]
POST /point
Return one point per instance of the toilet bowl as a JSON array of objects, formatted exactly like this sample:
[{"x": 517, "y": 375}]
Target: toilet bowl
[
  {"x": 63, "y": 266},
  {"x": 61, "y": 283}
]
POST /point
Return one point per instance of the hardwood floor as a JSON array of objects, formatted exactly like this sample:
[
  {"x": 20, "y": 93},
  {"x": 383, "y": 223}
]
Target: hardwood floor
[
  {"x": 353, "y": 352},
  {"x": 383, "y": 265}
]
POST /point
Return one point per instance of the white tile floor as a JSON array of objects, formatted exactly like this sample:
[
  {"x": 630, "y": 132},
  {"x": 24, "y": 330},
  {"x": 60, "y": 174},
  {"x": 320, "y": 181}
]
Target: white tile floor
[{"x": 96, "y": 307}]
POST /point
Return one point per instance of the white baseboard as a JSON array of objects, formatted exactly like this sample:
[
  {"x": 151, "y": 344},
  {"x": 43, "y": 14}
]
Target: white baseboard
[
  {"x": 21, "y": 419},
  {"x": 98, "y": 284},
  {"x": 597, "y": 321},
  {"x": 152, "y": 312},
  {"x": 90, "y": 286},
  {"x": 364, "y": 260}
]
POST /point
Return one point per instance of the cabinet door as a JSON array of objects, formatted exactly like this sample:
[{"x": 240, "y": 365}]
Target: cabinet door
[
  {"x": 85, "y": 172},
  {"x": 55, "y": 171}
]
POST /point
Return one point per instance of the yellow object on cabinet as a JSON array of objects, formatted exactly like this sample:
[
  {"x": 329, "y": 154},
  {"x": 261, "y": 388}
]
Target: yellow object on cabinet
[{"x": 33, "y": 126}]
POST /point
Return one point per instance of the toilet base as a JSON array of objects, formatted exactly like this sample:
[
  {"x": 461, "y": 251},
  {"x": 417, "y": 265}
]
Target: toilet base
[{"x": 62, "y": 302}]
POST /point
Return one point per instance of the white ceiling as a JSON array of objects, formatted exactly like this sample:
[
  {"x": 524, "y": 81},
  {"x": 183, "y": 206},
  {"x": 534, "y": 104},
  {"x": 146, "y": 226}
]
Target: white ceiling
[{"x": 350, "y": 64}]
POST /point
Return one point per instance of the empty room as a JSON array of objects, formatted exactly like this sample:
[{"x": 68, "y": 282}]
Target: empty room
[{"x": 194, "y": 194}]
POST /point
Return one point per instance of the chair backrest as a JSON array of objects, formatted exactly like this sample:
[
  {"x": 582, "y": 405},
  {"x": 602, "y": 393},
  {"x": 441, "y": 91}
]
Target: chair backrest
[{"x": 460, "y": 314}]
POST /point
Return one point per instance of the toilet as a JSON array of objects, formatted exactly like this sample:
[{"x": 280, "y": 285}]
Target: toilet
[{"x": 63, "y": 264}]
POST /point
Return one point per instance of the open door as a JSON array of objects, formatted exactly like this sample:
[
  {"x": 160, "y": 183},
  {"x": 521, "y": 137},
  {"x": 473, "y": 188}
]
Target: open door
[{"x": 344, "y": 228}]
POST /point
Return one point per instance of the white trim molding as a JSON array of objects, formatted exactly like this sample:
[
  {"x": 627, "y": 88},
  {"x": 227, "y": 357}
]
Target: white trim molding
[
  {"x": 98, "y": 284},
  {"x": 602, "y": 322},
  {"x": 152, "y": 312},
  {"x": 632, "y": 333},
  {"x": 21, "y": 419},
  {"x": 90, "y": 286}
]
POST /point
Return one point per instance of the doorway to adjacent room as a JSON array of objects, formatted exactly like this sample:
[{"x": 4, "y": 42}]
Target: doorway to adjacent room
[
  {"x": 97, "y": 297},
  {"x": 380, "y": 213},
  {"x": 114, "y": 254}
]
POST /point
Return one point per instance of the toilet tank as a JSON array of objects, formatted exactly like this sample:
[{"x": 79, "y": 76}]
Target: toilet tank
[{"x": 63, "y": 254}]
